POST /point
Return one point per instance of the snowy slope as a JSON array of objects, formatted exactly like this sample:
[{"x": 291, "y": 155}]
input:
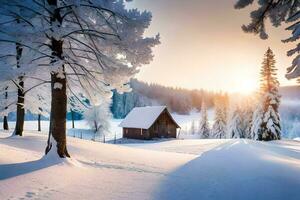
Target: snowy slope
[{"x": 175, "y": 169}]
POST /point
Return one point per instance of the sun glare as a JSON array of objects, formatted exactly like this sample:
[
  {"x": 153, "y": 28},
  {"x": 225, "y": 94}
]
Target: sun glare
[{"x": 246, "y": 87}]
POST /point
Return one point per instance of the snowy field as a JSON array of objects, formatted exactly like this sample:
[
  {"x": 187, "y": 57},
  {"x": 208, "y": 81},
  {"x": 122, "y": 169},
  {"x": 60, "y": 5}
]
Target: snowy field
[{"x": 166, "y": 170}]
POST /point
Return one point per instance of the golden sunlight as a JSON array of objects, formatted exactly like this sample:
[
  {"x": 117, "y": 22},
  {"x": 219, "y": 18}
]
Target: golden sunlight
[{"x": 246, "y": 86}]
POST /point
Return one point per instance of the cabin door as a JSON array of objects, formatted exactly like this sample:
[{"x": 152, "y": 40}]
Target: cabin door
[
  {"x": 155, "y": 133},
  {"x": 164, "y": 130}
]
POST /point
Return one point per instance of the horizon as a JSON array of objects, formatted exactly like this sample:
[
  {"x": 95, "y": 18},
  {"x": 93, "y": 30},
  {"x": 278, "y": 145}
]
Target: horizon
[{"x": 192, "y": 64}]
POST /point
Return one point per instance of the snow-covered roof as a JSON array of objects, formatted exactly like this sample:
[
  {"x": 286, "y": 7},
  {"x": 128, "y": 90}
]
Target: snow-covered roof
[{"x": 143, "y": 117}]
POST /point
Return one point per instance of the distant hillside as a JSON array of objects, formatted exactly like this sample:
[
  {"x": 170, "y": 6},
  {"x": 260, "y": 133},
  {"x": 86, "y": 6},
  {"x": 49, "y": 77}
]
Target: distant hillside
[
  {"x": 178, "y": 100},
  {"x": 290, "y": 92}
]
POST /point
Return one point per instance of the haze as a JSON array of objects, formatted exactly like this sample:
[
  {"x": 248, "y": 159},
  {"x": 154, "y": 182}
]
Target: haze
[{"x": 203, "y": 46}]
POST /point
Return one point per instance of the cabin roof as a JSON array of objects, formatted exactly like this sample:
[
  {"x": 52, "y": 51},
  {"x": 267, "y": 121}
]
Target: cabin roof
[{"x": 143, "y": 117}]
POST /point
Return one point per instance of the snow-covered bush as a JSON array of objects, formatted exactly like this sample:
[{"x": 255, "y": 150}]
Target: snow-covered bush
[{"x": 98, "y": 119}]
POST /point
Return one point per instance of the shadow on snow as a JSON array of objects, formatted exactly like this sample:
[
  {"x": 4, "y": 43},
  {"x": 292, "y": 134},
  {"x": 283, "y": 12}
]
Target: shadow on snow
[
  {"x": 17, "y": 169},
  {"x": 238, "y": 169}
]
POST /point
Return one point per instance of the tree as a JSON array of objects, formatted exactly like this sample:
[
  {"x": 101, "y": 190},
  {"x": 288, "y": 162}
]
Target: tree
[
  {"x": 267, "y": 120},
  {"x": 193, "y": 128},
  {"x": 203, "y": 124},
  {"x": 219, "y": 127},
  {"x": 279, "y": 11},
  {"x": 257, "y": 121},
  {"x": 19, "y": 53},
  {"x": 247, "y": 116},
  {"x": 98, "y": 118},
  {"x": 236, "y": 124},
  {"x": 87, "y": 47},
  {"x": 37, "y": 100},
  {"x": 5, "y": 110}
]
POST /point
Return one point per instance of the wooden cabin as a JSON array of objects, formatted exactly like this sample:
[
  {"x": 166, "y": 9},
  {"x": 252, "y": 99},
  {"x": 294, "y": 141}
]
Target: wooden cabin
[{"x": 149, "y": 122}]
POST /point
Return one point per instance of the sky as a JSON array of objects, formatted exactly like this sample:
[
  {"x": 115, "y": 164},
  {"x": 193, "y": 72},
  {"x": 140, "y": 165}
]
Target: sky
[{"x": 203, "y": 46}]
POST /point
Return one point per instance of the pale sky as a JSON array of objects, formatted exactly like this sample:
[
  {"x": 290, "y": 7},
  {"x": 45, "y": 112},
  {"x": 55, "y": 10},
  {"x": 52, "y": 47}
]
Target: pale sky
[{"x": 203, "y": 46}]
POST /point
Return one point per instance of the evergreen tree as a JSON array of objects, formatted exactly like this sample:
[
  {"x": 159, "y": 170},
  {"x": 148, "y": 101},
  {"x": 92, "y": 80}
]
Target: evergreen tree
[
  {"x": 279, "y": 12},
  {"x": 219, "y": 126},
  {"x": 203, "y": 125},
  {"x": 193, "y": 128},
  {"x": 257, "y": 120},
  {"x": 267, "y": 120},
  {"x": 247, "y": 116},
  {"x": 236, "y": 124}
]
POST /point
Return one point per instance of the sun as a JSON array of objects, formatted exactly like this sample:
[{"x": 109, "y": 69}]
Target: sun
[{"x": 246, "y": 86}]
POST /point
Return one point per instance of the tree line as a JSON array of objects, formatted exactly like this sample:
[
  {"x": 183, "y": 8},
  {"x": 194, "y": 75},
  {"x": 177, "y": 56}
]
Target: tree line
[{"x": 178, "y": 100}]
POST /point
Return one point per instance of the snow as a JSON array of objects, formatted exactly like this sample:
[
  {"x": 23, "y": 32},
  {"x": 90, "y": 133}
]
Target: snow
[
  {"x": 166, "y": 169},
  {"x": 58, "y": 86},
  {"x": 142, "y": 117}
]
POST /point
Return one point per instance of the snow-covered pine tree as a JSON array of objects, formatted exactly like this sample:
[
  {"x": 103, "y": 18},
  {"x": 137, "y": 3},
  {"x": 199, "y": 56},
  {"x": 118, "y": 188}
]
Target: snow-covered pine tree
[
  {"x": 219, "y": 127},
  {"x": 247, "y": 116},
  {"x": 235, "y": 127},
  {"x": 193, "y": 128},
  {"x": 203, "y": 128},
  {"x": 267, "y": 120},
  {"x": 279, "y": 12},
  {"x": 257, "y": 121}
]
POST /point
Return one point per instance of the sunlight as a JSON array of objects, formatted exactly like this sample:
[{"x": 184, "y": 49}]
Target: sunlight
[{"x": 247, "y": 87}]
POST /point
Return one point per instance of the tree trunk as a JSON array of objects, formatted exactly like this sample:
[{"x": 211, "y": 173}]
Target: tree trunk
[
  {"x": 58, "y": 116},
  {"x": 58, "y": 92},
  {"x": 72, "y": 116},
  {"x": 20, "y": 110},
  {"x": 21, "y": 96},
  {"x": 39, "y": 122},
  {"x": 5, "y": 123}
]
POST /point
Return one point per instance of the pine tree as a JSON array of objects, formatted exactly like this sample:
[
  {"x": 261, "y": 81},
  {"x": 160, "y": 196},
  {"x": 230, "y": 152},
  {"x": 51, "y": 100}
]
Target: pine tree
[
  {"x": 193, "y": 128},
  {"x": 279, "y": 12},
  {"x": 266, "y": 124},
  {"x": 203, "y": 125},
  {"x": 256, "y": 122},
  {"x": 247, "y": 116},
  {"x": 219, "y": 126},
  {"x": 236, "y": 124}
]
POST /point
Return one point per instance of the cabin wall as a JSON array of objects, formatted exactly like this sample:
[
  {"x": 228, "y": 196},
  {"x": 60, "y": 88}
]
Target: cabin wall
[
  {"x": 136, "y": 133},
  {"x": 164, "y": 127}
]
